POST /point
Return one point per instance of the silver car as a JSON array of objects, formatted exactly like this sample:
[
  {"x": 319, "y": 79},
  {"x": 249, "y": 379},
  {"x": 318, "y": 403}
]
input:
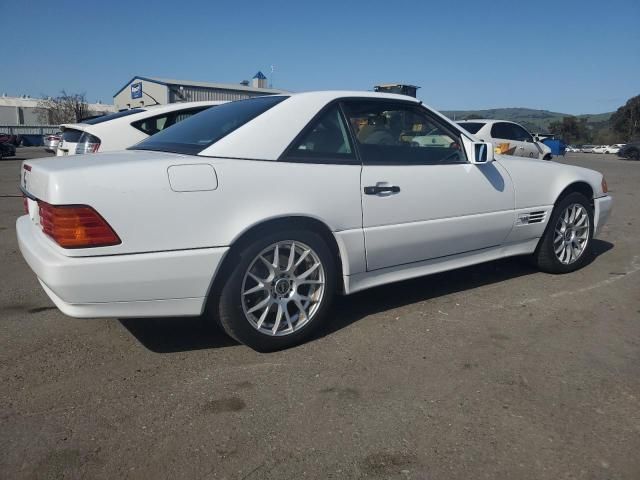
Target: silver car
[{"x": 51, "y": 141}]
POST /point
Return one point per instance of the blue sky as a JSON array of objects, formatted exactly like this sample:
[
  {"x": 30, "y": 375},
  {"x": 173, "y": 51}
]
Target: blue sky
[{"x": 567, "y": 56}]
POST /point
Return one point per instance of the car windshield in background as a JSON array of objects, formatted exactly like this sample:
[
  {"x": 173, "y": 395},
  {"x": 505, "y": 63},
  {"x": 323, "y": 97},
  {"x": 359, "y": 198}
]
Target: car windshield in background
[
  {"x": 196, "y": 133},
  {"x": 112, "y": 116},
  {"x": 472, "y": 127}
]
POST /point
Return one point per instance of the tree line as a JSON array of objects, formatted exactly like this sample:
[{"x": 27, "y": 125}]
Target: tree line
[{"x": 622, "y": 127}]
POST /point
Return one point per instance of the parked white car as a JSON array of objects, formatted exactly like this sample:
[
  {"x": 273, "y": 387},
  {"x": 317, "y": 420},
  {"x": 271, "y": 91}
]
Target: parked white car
[
  {"x": 120, "y": 130},
  {"x": 599, "y": 149},
  {"x": 587, "y": 148},
  {"x": 508, "y": 138},
  {"x": 258, "y": 211},
  {"x": 51, "y": 141},
  {"x": 613, "y": 148}
]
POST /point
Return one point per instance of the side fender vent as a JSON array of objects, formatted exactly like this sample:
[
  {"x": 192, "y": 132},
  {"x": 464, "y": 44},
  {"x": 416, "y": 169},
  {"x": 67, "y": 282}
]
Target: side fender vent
[
  {"x": 537, "y": 217},
  {"x": 531, "y": 217}
]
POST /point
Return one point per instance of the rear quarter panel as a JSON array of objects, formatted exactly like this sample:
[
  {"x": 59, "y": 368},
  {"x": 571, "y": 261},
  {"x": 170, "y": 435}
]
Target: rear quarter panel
[
  {"x": 131, "y": 191},
  {"x": 116, "y": 135}
]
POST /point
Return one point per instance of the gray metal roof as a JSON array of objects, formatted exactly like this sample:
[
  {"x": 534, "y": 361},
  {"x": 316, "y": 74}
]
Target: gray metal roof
[{"x": 190, "y": 83}]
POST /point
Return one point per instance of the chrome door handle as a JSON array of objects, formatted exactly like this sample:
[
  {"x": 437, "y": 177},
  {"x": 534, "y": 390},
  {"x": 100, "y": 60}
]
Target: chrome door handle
[{"x": 377, "y": 189}]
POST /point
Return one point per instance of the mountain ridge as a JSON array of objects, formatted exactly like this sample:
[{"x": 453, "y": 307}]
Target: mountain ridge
[{"x": 531, "y": 118}]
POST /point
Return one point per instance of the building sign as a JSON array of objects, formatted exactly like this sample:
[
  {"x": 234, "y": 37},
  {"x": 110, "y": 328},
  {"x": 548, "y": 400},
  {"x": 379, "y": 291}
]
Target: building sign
[{"x": 136, "y": 90}]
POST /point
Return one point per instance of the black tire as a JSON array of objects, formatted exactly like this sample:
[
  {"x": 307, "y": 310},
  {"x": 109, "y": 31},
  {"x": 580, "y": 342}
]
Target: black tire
[
  {"x": 634, "y": 154},
  {"x": 230, "y": 312},
  {"x": 544, "y": 257},
  {"x": 548, "y": 156}
]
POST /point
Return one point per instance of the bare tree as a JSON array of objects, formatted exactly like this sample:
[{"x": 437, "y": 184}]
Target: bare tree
[{"x": 66, "y": 108}]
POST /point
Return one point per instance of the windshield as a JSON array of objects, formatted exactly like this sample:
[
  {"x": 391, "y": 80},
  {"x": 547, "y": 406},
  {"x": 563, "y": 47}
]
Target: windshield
[
  {"x": 111, "y": 116},
  {"x": 196, "y": 133},
  {"x": 471, "y": 127}
]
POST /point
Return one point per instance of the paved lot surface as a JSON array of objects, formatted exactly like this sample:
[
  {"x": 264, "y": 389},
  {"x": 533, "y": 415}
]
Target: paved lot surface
[{"x": 495, "y": 371}]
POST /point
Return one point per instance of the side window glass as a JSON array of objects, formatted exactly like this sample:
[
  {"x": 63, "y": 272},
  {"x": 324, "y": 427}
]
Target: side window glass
[
  {"x": 501, "y": 130},
  {"x": 153, "y": 125},
  {"x": 326, "y": 139},
  {"x": 184, "y": 114},
  {"x": 521, "y": 134},
  {"x": 389, "y": 132}
]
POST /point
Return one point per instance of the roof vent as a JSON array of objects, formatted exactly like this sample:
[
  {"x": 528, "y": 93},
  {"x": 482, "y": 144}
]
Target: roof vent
[{"x": 245, "y": 83}]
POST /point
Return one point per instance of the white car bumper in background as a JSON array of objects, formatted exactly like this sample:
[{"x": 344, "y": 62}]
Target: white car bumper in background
[
  {"x": 161, "y": 284},
  {"x": 602, "y": 209}
]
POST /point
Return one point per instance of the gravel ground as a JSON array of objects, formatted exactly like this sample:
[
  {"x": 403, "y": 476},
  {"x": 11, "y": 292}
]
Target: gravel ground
[{"x": 495, "y": 371}]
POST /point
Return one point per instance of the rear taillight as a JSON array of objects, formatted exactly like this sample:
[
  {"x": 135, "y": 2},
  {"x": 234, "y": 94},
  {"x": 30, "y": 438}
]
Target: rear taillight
[
  {"x": 87, "y": 144},
  {"x": 76, "y": 226}
]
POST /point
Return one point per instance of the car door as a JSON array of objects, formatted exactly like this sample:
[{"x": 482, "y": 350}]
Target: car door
[
  {"x": 531, "y": 148},
  {"x": 421, "y": 198},
  {"x": 505, "y": 140}
]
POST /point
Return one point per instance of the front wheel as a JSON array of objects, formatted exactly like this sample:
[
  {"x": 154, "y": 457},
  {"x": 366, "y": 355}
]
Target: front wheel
[
  {"x": 279, "y": 291},
  {"x": 566, "y": 243}
]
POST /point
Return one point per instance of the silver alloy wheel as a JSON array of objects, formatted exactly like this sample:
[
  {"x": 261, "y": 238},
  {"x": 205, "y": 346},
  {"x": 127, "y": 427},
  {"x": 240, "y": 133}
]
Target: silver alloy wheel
[
  {"x": 283, "y": 287},
  {"x": 571, "y": 234}
]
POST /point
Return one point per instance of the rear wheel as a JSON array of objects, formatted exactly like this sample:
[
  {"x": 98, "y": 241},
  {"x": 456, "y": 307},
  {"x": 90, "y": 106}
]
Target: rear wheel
[
  {"x": 279, "y": 290},
  {"x": 634, "y": 154},
  {"x": 566, "y": 243}
]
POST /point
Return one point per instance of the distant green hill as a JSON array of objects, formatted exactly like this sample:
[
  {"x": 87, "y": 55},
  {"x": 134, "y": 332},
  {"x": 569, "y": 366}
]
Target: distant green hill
[{"x": 531, "y": 119}]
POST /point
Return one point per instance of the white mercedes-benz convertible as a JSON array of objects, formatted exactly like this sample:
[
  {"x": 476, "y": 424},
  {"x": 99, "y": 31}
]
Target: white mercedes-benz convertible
[{"x": 258, "y": 211}]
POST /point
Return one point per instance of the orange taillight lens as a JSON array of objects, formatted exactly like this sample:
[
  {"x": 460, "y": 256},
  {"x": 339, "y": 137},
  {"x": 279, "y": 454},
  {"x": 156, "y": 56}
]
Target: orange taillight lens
[{"x": 76, "y": 226}]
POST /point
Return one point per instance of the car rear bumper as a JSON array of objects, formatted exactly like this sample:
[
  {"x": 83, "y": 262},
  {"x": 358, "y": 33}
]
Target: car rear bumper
[
  {"x": 174, "y": 283},
  {"x": 602, "y": 209}
]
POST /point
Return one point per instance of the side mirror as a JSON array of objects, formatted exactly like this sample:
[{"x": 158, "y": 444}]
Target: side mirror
[{"x": 482, "y": 152}]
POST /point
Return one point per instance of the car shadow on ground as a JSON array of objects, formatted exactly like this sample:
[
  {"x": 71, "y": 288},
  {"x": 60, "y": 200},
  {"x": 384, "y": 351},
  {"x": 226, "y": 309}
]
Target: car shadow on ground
[
  {"x": 178, "y": 334},
  {"x": 388, "y": 297}
]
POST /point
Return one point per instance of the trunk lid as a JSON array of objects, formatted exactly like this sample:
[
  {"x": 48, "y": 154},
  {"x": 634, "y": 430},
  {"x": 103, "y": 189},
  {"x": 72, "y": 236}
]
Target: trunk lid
[{"x": 42, "y": 178}]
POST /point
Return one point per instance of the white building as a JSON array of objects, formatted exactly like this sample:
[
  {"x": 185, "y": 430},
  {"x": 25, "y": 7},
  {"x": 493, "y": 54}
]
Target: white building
[{"x": 19, "y": 111}]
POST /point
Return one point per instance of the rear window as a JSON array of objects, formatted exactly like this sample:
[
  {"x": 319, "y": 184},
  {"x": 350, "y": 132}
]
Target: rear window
[
  {"x": 71, "y": 135},
  {"x": 112, "y": 116},
  {"x": 472, "y": 127},
  {"x": 198, "y": 132}
]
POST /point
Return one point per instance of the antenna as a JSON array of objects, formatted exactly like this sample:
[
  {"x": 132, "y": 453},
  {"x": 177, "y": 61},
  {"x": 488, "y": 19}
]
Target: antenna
[{"x": 273, "y": 69}]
